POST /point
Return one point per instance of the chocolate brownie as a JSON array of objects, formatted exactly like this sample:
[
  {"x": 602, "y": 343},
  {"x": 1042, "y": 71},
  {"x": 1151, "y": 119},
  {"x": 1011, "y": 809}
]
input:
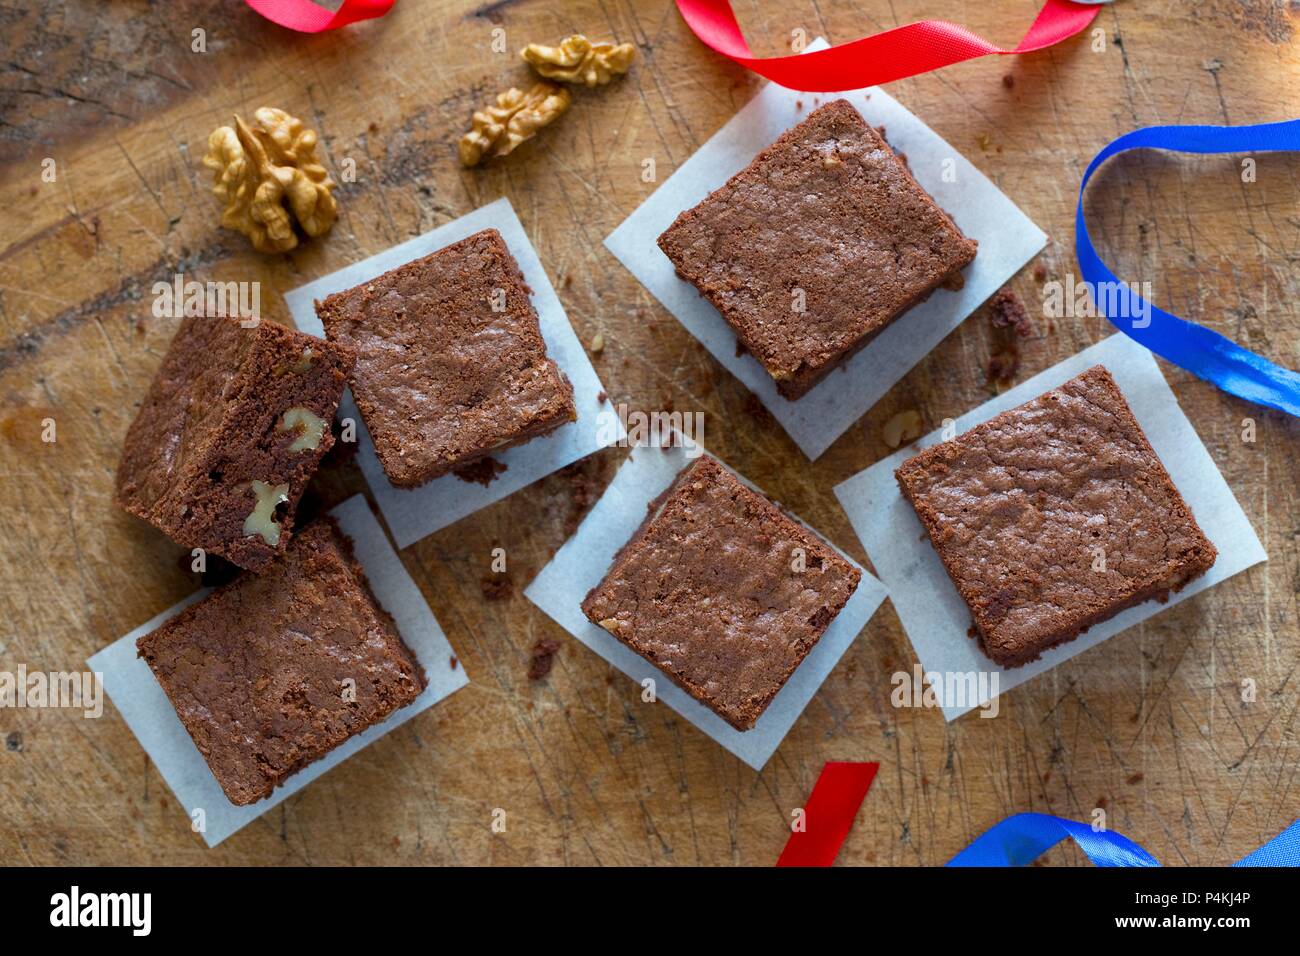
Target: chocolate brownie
[
  {"x": 232, "y": 428},
  {"x": 722, "y": 591},
  {"x": 1054, "y": 516},
  {"x": 815, "y": 246},
  {"x": 451, "y": 360},
  {"x": 274, "y": 670}
]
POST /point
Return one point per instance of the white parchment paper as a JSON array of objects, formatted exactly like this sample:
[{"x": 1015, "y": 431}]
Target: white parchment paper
[
  {"x": 414, "y": 513},
  {"x": 933, "y": 614},
  {"x": 147, "y": 711},
  {"x": 585, "y": 558},
  {"x": 1007, "y": 238}
]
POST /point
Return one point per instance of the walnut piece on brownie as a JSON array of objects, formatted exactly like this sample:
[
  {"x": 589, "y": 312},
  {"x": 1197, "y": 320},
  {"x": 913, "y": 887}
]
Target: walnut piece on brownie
[
  {"x": 274, "y": 670},
  {"x": 722, "y": 591},
  {"x": 451, "y": 361},
  {"x": 1053, "y": 517},
  {"x": 232, "y": 428},
  {"x": 815, "y": 246}
]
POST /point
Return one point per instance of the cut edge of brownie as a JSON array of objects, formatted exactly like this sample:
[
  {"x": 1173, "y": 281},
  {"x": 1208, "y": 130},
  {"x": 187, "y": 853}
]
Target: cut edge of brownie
[
  {"x": 747, "y": 716},
  {"x": 1171, "y": 577},
  {"x": 343, "y": 545},
  {"x": 401, "y": 471},
  {"x": 795, "y": 383}
]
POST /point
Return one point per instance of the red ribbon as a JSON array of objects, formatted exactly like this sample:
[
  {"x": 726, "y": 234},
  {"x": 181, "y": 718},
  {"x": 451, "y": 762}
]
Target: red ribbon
[
  {"x": 828, "y": 814},
  {"x": 892, "y": 55},
  {"x": 307, "y": 17}
]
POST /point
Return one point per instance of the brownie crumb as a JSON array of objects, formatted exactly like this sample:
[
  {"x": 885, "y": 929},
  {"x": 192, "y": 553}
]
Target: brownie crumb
[
  {"x": 1002, "y": 368},
  {"x": 497, "y": 587},
  {"x": 1010, "y": 322},
  {"x": 543, "y": 658},
  {"x": 1007, "y": 311},
  {"x": 454, "y": 662},
  {"x": 1008, "y": 80},
  {"x": 482, "y": 472},
  {"x": 602, "y": 397},
  {"x": 1135, "y": 779},
  {"x": 1040, "y": 273}
]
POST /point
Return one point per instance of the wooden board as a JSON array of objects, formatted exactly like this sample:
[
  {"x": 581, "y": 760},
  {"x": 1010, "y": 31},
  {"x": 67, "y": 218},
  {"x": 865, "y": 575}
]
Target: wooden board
[{"x": 1151, "y": 726}]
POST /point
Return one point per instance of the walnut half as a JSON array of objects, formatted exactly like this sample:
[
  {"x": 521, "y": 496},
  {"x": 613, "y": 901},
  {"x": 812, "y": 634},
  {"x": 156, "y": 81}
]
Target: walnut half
[
  {"x": 268, "y": 177},
  {"x": 516, "y": 117},
  {"x": 578, "y": 60}
]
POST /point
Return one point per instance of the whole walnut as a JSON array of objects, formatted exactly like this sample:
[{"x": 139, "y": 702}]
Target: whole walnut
[{"x": 267, "y": 176}]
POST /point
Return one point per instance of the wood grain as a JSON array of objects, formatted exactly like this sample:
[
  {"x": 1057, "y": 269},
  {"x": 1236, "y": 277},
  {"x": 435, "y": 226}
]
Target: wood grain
[{"x": 1151, "y": 725}]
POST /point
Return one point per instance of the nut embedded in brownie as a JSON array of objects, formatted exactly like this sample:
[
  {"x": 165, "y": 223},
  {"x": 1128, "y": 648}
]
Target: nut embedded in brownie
[{"x": 230, "y": 432}]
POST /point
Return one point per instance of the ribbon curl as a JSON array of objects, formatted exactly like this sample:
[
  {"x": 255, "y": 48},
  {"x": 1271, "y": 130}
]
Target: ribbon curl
[
  {"x": 308, "y": 17},
  {"x": 1203, "y": 352},
  {"x": 892, "y": 55},
  {"x": 1019, "y": 840}
]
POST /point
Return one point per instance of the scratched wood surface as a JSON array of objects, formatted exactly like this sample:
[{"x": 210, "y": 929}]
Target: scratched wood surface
[{"x": 1151, "y": 726}]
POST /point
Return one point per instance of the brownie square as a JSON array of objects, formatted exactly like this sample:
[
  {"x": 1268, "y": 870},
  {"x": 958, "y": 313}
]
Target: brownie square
[
  {"x": 722, "y": 591},
  {"x": 1054, "y": 516},
  {"x": 451, "y": 360},
  {"x": 815, "y": 246},
  {"x": 274, "y": 670},
  {"x": 231, "y": 430}
]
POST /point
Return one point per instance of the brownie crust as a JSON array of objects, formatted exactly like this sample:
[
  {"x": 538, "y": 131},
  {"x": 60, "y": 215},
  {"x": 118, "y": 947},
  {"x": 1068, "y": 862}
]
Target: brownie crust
[
  {"x": 828, "y": 214},
  {"x": 708, "y": 590},
  {"x": 1053, "y": 517},
  {"x": 451, "y": 364},
  {"x": 257, "y": 670},
  {"x": 236, "y": 420}
]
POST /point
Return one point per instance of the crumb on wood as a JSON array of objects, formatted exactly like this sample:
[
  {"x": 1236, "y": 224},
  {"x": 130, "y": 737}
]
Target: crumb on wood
[
  {"x": 497, "y": 587},
  {"x": 1007, "y": 311},
  {"x": 543, "y": 658}
]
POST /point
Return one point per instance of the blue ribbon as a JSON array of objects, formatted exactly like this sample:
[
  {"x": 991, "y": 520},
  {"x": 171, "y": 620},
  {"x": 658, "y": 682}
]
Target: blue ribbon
[
  {"x": 1202, "y": 352},
  {"x": 1021, "y": 839}
]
